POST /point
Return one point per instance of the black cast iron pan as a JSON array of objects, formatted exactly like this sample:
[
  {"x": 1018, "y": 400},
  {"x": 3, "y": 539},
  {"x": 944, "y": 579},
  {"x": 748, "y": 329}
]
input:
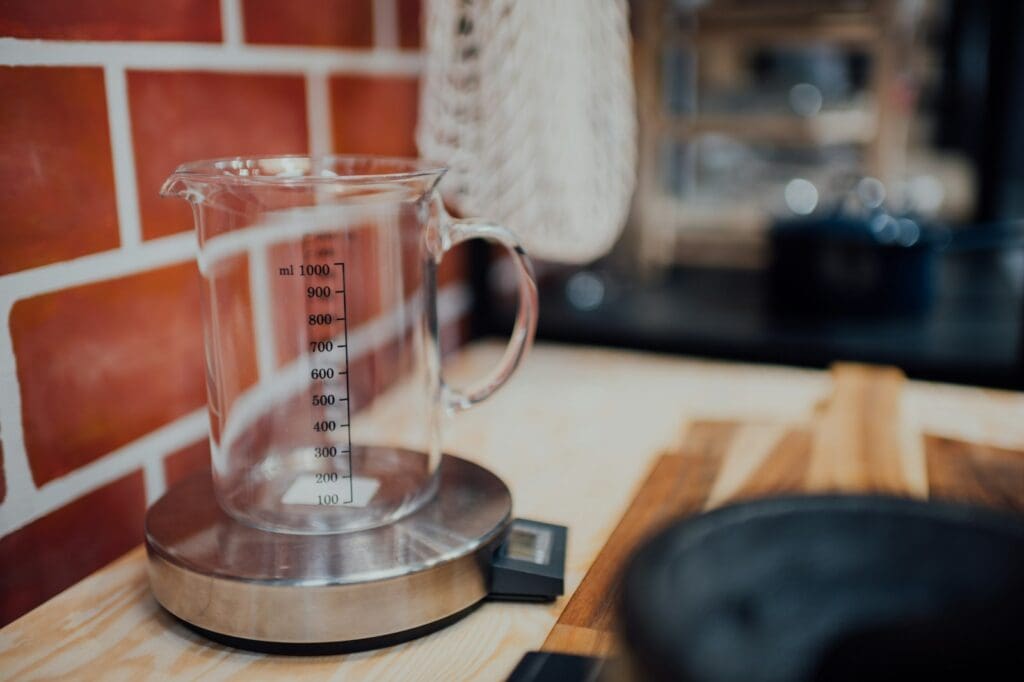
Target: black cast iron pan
[{"x": 829, "y": 588}]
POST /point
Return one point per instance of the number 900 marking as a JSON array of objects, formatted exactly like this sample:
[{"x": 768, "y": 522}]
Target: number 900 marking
[{"x": 318, "y": 292}]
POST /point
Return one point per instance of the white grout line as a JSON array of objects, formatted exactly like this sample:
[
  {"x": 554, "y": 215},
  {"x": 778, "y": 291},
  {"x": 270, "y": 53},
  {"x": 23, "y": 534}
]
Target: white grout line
[
  {"x": 318, "y": 113},
  {"x": 148, "y": 255},
  {"x": 385, "y": 24},
  {"x": 18, "y": 474},
  {"x": 231, "y": 22},
  {"x": 25, "y": 508},
  {"x": 123, "y": 157},
  {"x": 153, "y": 479},
  {"x": 261, "y": 305},
  {"x": 198, "y": 56}
]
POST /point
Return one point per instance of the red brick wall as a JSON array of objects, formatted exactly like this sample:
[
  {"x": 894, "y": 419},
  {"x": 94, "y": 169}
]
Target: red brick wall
[{"x": 101, "y": 403}]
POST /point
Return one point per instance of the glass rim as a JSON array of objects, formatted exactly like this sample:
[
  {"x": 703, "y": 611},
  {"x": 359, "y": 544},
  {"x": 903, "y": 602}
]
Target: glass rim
[{"x": 225, "y": 169}]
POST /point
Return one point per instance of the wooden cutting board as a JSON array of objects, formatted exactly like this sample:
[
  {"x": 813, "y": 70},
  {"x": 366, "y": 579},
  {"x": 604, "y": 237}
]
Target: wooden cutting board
[{"x": 858, "y": 442}]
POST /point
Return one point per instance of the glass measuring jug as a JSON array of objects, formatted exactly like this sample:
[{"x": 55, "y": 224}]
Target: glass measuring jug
[{"x": 321, "y": 328}]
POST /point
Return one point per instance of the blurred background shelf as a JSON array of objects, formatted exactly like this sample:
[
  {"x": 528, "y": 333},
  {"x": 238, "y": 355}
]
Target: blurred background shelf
[
  {"x": 849, "y": 126},
  {"x": 753, "y": 115}
]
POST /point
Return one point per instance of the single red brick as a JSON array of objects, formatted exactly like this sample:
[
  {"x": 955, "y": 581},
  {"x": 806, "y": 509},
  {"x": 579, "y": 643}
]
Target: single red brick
[
  {"x": 52, "y": 553},
  {"x": 186, "y": 116},
  {"x": 375, "y": 114},
  {"x": 409, "y": 23},
  {"x": 102, "y": 364},
  {"x": 179, "y": 20},
  {"x": 56, "y": 176},
  {"x": 185, "y": 462},
  {"x": 328, "y": 23}
]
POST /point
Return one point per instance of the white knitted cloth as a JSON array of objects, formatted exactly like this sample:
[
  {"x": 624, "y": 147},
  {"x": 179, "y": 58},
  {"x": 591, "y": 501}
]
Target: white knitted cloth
[{"x": 531, "y": 105}]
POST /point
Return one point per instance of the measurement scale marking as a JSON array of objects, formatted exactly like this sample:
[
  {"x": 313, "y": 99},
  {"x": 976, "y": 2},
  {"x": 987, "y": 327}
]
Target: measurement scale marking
[
  {"x": 315, "y": 488},
  {"x": 348, "y": 415}
]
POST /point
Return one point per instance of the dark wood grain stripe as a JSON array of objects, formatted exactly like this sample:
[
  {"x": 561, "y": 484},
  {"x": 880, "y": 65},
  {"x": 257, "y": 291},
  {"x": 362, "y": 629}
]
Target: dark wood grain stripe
[
  {"x": 976, "y": 474},
  {"x": 677, "y": 486},
  {"x": 784, "y": 471}
]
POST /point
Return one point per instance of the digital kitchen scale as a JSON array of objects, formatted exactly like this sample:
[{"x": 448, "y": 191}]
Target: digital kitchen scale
[{"x": 295, "y": 593}]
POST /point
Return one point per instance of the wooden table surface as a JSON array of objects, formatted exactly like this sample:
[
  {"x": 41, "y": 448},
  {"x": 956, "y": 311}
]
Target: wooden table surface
[{"x": 574, "y": 435}]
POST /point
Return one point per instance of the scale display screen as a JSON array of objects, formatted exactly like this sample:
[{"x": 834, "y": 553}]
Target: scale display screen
[
  {"x": 530, "y": 564},
  {"x": 529, "y": 544}
]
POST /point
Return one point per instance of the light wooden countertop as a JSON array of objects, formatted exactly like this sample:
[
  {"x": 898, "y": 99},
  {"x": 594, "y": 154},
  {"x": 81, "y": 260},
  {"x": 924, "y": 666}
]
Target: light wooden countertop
[{"x": 573, "y": 435}]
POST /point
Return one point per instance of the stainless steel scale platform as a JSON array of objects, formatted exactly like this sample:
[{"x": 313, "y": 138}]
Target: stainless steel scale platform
[{"x": 361, "y": 589}]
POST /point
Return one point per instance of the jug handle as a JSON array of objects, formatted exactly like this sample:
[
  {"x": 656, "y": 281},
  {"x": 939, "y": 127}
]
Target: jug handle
[{"x": 455, "y": 232}]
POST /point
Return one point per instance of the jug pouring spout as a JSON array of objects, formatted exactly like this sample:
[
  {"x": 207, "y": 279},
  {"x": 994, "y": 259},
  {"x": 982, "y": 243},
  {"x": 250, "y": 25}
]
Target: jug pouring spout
[{"x": 184, "y": 186}]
